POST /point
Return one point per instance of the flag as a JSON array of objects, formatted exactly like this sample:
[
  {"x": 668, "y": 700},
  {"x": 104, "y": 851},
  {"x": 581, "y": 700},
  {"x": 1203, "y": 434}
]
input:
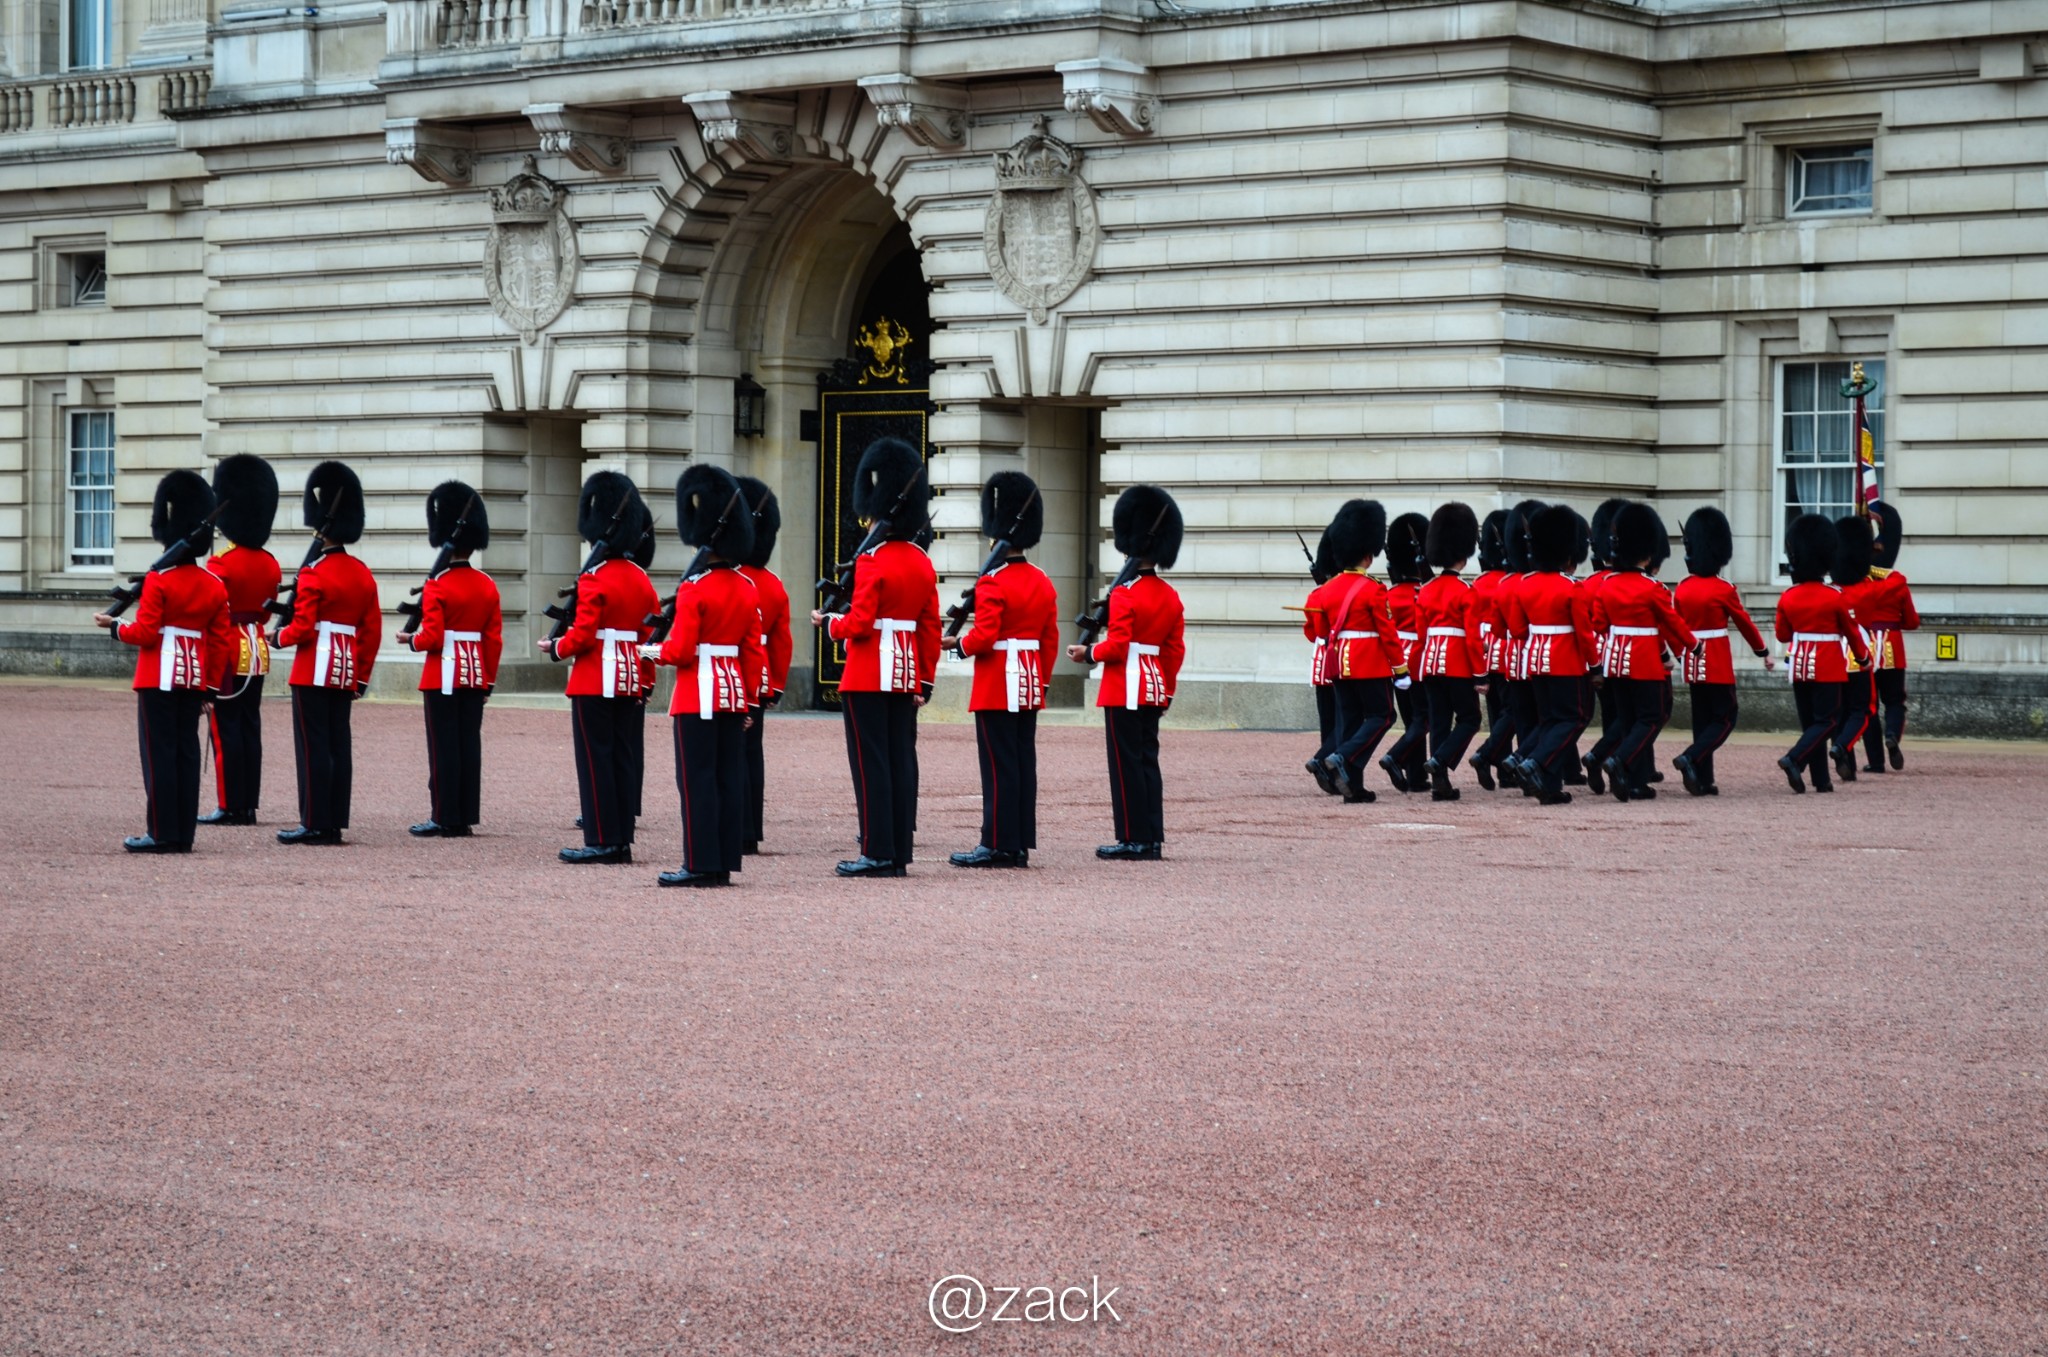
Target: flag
[{"x": 1866, "y": 460}]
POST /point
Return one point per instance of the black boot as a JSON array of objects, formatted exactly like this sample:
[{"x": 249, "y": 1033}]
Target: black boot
[
  {"x": 1617, "y": 779},
  {"x": 1482, "y": 770},
  {"x": 1440, "y": 788},
  {"x": 301, "y": 834},
  {"x": 1130, "y": 852},
  {"x": 229, "y": 817},
  {"x": 142, "y": 843},
  {"x": 1792, "y": 773},
  {"x": 1595, "y": 783},
  {"x": 683, "y": 876},
  {"x": 984, "y": 856},
  {"x": 1895, "y": 755},
  {"x": 867, "y": 866},
  {"x": 1395, "y": 773},
  {"x": 1845, "y": 764},
  {"x": 1689, "y": 775},
  {"x": 602, "y": 853},
  {"x": 430, "y": 830},
  {"x": 1322, "y": 776}
]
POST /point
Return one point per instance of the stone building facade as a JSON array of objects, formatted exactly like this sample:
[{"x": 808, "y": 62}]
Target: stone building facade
[{"x": 1268, "y": 254}]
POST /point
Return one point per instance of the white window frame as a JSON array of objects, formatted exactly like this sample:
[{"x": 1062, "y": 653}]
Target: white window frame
[
  {"x": 57, "y": 272},
  {"x": 89, "y": 560},
  {"x": 1795, "y": 162},
  {"x": 1875, "y": 365}
]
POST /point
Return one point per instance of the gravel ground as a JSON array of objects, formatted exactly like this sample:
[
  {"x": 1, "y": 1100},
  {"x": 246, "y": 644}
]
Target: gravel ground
[{"x": 1759, "y": 1074}]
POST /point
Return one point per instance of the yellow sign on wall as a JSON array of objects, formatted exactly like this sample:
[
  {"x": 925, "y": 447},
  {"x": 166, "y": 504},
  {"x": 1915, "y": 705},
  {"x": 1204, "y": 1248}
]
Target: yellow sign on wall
[{"x": 1944, "y": 645}]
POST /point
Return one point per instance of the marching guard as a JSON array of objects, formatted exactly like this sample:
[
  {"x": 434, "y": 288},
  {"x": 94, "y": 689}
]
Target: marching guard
[
  {"x": 1886, "y": 609},
  {"x": 1451, "y": 650},
  {"x": 714, "y": 645},
  {"x": 1367, "y": 657},
  {"x": 1855, "y": 555},
  {"x": 1815, "y": 622},
  {"x": 1330, "y": 584},
  {"x": 184, "y": 644},
  {"x": 246, "y": 489},
  {"x": 1601, "y": 545},
  {"x": 776, "y": 644},
  {"x": 1709, "y": 605},
  {"x": 336, "y": 628},
  {"x": 1641, "y": 622},
  {"x": 461, "y": 631},
  {"x": 1549, "y": 620},
  {"x": 1485, "y": 760},
  {"x": 1520, "y": 562}
]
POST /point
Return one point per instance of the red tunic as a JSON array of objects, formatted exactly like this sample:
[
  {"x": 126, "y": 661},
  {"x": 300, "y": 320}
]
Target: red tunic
[
  {"x": 1596, "y": 609},
  {"x": 715, "y": 644},
  {"x": 1641, "y": 621},
  {"x": 775, "y": 639},
  {"x": 181, "y": 628},
  {"x": 1015, "y": 637},
  {"x": 1323, "y": 601},
  {"x": 336, "y": 623},
  {"x": 1885, "y": 609},
  {"x": 1147, "y": 633},
  {"x": 1815, "y": 621},
  {"x": 1486, "y": 613},
  {"x": 1401, "y": 602},
  {"x": 1709, "y": 604},
  {"x": 251, "y": 575},
  {"x": 1363, "y": 642},
  {"x": 1550, "y": 618},
  {"x": 613, "y": 603},
  {"x": 462, "y": 630},
  {"x": 1447, "y": 616},
  {"x": 895, "y": 608}
]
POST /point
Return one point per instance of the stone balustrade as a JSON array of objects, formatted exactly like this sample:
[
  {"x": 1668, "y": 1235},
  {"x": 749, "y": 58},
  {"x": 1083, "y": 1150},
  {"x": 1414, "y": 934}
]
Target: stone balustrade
[
  {"x": 183, "y": 91},
  {"x": 100, "y": 99},
  {"x": 480, "y": 23},
  {"x": 92, "y": 100}
]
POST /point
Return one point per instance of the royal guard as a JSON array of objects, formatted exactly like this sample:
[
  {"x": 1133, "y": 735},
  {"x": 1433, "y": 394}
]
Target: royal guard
[
  {"x": 608, "y": 683},
  {"x": 1709, "y": 605},
  {"x": 1519, "y": 565},
  {"x": 1815, "y": 622},
  {"x": 1492, "y": 646},
  {"x": 246, "y": 489},
  {"x": 1549, "y": 620},
  {"x": 1367, "y": 656},
  {"x": 891, "y": 633},
  {"x": 1406, "y": 570},
  {"x": 336, "y": 627},
  {"x": 1886, "y": 611},
  {"x": 1453, "y": 654},
  {"x": 1143, "y": 643},
  {"x": 1331, "y": 582},
  {"x": 461, "y": 631},
  {"x": 714, "y": 645},
  {"x": 1855, "y": 555},
  {"x": 186, "y": 646},
  {"x": 1641, "y": 621},
  {"x": 776, "y": 644},
  {"x": 1601, "y": 563},
  {"x": 1014, "y": 640}
]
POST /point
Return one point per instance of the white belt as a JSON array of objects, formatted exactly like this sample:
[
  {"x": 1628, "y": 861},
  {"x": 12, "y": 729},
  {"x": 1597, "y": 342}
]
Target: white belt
[
  {"x": 1816, "y": 637},
  {"x": 891, "y": 628},
  {"x": 1716, "y": 635},
  {"x": 707, "y": 676},
  {"x": 614, "y": 638},
  {"x": 1632, "y": 631},
  {"x": 167, "y": 657},
  {"x": 1548, "y": 630},
  {"x": 1406, "y": 635},
  {"x": 1013, "y": 670},
  {"x": 323, "y": 650},
  {"x": 1446, "y": 631},
  {"x": 449, "y": 640},
  {"x": 1360, "y": 636},
  {"x": 1134, "y": 669}
]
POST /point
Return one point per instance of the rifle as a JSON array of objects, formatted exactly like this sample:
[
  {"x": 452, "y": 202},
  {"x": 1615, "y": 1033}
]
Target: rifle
[
  {"x": 666, "y": 618},
  {"x": 283, "y": 609},
  {"x": 178, "y": 553},
  {"x": 1091, "y": 623},
  {"x": 411, "y": 610},
  {"x": 563, "y": 611},
  {"x": 1313, "y": 573},
  {"x": 958, "y": 614},
  {"x": 838, "y": 587}
]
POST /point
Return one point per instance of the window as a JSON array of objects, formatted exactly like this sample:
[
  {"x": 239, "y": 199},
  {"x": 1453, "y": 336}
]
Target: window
[
  {"x": 89, "y": 490},
  {"x": 1816, "y": 444},
  {"x": 91, "y": 35},
  {"x": 87, "y": 278},
  {"x": 72, "y": 271},
  {"x": 1828, "y": 180}
]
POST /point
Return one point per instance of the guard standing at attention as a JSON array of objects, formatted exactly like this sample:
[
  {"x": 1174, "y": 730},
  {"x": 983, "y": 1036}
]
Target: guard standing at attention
[
  {"x": 1885, "y": 611},
  {"x": 1013, "y": 643},
  {"x": 337, "y": 627},
  {"x": 607, "y": 683},
  {"x": 1710, "y": 605},
  {"x": 1406, "y": 570},
  {"x": 1453, "y": 655},
  {"x": 461, "y": 631},
  {"x": 714, "y": 645},
  {"x": 1143, "y": 644},
  {"x": 1814, "y": 620},
  {"x": 185, "y": 642},
  {"x": 1367, "y": 657},
  {"x": 776, "y": 644},
  {"x": 246, "y": 487},
  {"x": 891, "y": 632}
]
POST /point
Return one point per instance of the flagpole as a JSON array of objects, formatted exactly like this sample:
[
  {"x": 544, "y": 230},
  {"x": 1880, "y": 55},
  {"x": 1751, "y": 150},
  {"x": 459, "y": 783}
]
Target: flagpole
[{"x": 1864, "y": 443}]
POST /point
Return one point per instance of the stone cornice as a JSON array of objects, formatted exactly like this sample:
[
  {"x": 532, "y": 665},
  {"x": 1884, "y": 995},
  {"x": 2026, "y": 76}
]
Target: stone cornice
[
  {"x": 931, "y": 115},
  {"x": 437, "y": 152},
  {"x": 590, "y": 140}
]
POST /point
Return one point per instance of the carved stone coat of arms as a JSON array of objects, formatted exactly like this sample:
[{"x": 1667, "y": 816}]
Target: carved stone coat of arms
[
  {"x": 530, "y": 257},
  {"x": 1041, "y": 231}
]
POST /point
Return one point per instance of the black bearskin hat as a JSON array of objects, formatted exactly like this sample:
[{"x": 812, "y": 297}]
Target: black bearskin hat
[
  {"x": 334, "y": 503},
  {"x": 1405, "y": 537},
  {"x": 1146, "y": 524},
  {"x": 1810, "y": 548},
  {"x": 1709, "y": 542},
  {"x": 703, "y": 493},
  {"x": 1325, "y": 566},
  {"x": 248, "y": 487},
  {"x": 1890, "y": 534},
  {"x": 1003, "y": 499},
  {"x": 886, "y": 470},
  {"x": 1855, "y": 547},
  {"x": 183, "y": 500},
  {"x": 1359, "y": 530},
  {"x": 641, "y": 553},
  {"x": 1453, "y": 536},
  {"x": 1639, "y": 535},
  {"x": 1602, "y": 539},
  {"x": 1493, "y": 541},
  {"x": 1558, "y": 539},
  {"x": 450, "y": 505},
  {"x": 1515, "y": 551},
  {"x": 767, "y": 520},
  {"x": 609, "y": 494}
]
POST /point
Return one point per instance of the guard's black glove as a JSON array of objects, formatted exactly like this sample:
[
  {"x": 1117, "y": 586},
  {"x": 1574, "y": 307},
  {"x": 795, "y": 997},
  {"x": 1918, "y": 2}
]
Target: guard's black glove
[{"x": 773, "y": 699}]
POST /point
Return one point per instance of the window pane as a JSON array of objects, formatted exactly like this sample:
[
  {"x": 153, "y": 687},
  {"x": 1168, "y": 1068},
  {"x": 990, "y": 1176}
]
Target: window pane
[
  {"x": 91, "y": 489},
  {"x": 1831, "y": 179},
  {"x": 1798, "y": 386}
]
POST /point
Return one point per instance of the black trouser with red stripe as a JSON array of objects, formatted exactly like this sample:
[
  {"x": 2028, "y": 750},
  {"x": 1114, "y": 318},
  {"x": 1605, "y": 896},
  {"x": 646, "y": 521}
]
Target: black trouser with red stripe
[
  {"x": 1820, "y": 710},
  {"x": 1500, "y": 726},
  {"x": 1365, "y": 712},
  {"x": 1713, "y": 721},
  {"x": 881, "y": 751},
  {"x": 1891, "y": 691},
  {"x": 1326, "y": 719},
  {"x": 1525, "y": 714},
  {"x": 455, "y": 755},
  {"x": 167, "y": 730},
  {"x": 757, "y": 775},
  {"x": 1410, "y": 750},
  {"x": 237, "y": 726},
  {"x": 1564, "y": 703},
  {"x": 633, "y": 748},
  {"x": 1007, "y": 743},
  {"x": 1453, "y": 718},
  {"x": 1611, "y": 725},
  {"x": 1137, "y": 798},
  {"x": 326, "y": 760},
  {"x": 711, "y": 778},
  {"x": 607, "y": 777},
  {"x": 1641, "y": 707},
  {"x": 1859, "y": 704}
]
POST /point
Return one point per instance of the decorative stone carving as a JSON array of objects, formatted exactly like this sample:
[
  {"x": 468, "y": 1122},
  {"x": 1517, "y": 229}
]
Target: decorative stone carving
[
  {"x": 591, "y": 140},
  {"x": 931, "y": 115},
  {"x": 760, "y": 129},
  {"x": 530, "y": 257},
  {"x": 1041, "y": 232},
  {"x": 437, "y": 152},
  {"x": 1117, "y": 96}
]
